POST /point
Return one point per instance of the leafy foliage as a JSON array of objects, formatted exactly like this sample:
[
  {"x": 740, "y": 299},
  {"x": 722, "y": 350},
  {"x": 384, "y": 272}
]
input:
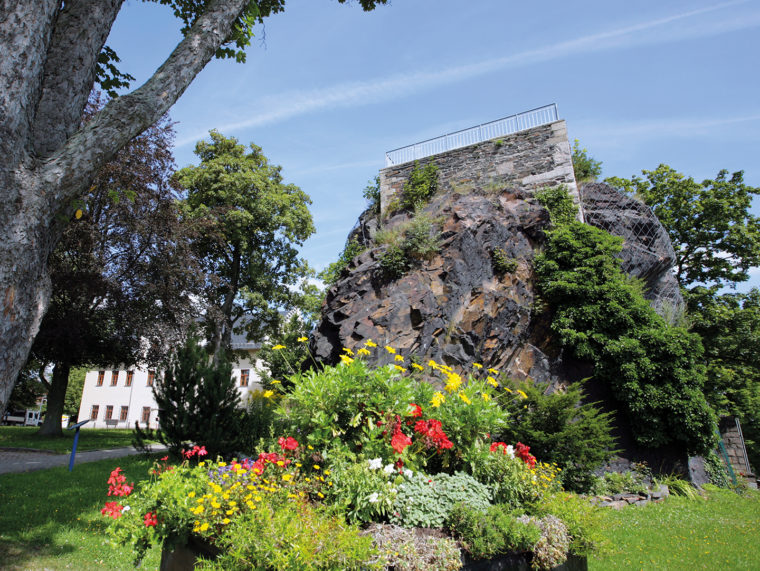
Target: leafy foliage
[
  {"x": 420, "y": 186},
  {"x": 372, "y": 194},
  {"x": 654, "y": 370},
  {"x": 250, "y": 226},
  {"x": 586, "y": 168},
  {"x": 415, "y": 241},
  {"x": 334, "y": 271},
  {"x": 502, "y": 263},
  {"x": 198, "y": 402},
  {"x": 562, "y": 430},
  {"x": 583, "y": 520},
  {"x": 428, "y": 500},
  {"x": 559, "y": 203},
  {"x": 488, "y": 533},
  {"x": 716, "y": 238}
]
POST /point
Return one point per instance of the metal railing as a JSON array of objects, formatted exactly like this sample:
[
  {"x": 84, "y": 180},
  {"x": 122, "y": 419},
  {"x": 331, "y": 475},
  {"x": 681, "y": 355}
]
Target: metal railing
[{"x": 458, "y": 139}]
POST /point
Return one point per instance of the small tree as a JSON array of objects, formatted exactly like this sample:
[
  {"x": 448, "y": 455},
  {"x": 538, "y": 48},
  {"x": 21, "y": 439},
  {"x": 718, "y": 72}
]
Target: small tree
[
  {"x": 586, "y": 168},
  {"x": 198, "y": 402}
]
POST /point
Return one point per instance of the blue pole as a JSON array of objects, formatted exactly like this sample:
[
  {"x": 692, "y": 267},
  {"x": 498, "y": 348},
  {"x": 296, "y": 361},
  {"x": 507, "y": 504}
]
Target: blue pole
[{"x": 74, "y": 450}]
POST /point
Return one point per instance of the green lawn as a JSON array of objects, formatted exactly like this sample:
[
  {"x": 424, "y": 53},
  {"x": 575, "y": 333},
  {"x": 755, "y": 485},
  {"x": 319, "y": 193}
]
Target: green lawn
[
  {"x": 721, "y": 532},
  {"x": 50, "y": 519},
  {"x": 89, "y": 439}
]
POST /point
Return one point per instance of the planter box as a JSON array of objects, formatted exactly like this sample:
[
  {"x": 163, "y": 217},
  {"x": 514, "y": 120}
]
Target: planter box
[{"x": 521, "y": 562}]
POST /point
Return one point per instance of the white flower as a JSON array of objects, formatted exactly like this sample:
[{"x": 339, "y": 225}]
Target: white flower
[
  {"x": 510, "y": 451},
  {"x": 375, "y": 463},
  {"x": 373, "y": 498},
  {"x": 408, "y": 473},
  {"x": 126, "y": 509},
  {"x": 389, "y": 468}
]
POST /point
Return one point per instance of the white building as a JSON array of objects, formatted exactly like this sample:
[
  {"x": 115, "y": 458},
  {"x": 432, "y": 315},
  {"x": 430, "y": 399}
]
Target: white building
[{"x": 118, "y": 397}]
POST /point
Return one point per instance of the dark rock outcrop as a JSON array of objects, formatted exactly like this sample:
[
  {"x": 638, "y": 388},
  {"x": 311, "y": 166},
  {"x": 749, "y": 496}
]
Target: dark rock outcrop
[
  {"x": 647, "y": 252},
  {"x": 454, "y": 307}
]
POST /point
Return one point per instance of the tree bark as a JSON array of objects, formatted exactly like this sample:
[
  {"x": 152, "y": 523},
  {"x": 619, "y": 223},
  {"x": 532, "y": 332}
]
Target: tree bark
[
  {"x": 51, "y": 426},
  {"x": 42, "y": 168}
]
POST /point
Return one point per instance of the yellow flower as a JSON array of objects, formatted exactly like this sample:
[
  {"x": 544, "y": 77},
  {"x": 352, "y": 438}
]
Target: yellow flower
[
  {"x": 280, "y": 463},
  {"x": 191, "y": 495},
  {"x": 201, "y": 464},
  {"x": 316, "y": 467},
  {"x": 268, "y": 394},
  {"x": 494, "y": 371},
  {"x": 302, "y": 339},
  {"x": 230, "y": 512},
  {"x": 346, "y": 359},
  {"x": 215, "y": 504},
  {"x": 278, "y": 347},
  {"x": 464, "y": 398},
  {"x": 453, "y": 382},
  {"x": 347, "y": 350},
  {"x": 225, "y": 521},
  {"x": 398, "y": 358},
  {"x": 370, "y": 343},
  {"x": 400, "y": 368},
  {"x": 416, "y": 366},
  {"x": 437, "y": 399},
  {"x": 486, "y": 397},
  {"x": 204, "y": 526},
  {"x": 276, "y": 382},
  {"x": 250, "y": 504},
  {"x": 327, "y": 472},
  {"x": 522, "y": 394},
  {"x": 492, "y": 382},
  {"x": 508, "y": 389},
  {"x": 390, "y": 349},
  {"x": 432, "y": 364},
  {"x": 287, "y": 477},
  {"x": 477, "y": 365},
  {"x": 362, "y": 351},
  {"x": 310, "y": 447}
]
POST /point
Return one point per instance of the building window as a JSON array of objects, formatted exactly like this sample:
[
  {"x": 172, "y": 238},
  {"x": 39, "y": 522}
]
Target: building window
[
  {"x": 130, "y": 376},
  {"x": 123, "y": 413},
  {"x": 244, "y": 377},
  {"x": 114, "y": 378},
  {"x": 101, "y": 376},
  {"x": 94, "y": 412},
  {"x": 146, "y": 415},
  {"x": 109, "y": 412},
  {"x": 151, "y": 378}
]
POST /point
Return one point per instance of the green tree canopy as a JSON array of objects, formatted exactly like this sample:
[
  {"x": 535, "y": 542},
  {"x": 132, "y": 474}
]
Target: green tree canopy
[
  {"x": 251, "y": 224},
  {"x": 716, "y": 238}
]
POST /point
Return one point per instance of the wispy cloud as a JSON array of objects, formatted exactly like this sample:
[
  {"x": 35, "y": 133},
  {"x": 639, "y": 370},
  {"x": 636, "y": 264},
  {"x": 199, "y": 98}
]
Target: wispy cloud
[
  {"x": 665, "y": 127},
  {"x": 673, "y": 28}
]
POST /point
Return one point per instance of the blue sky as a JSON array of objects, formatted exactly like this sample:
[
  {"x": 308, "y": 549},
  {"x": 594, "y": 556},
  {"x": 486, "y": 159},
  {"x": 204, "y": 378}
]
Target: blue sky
[{"x": 328, "y": 88}]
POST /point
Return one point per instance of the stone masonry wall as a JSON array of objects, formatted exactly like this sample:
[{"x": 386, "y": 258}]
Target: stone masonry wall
[
  {"x": 734, "y": 444},
  {"x": 527, "y": 160}
]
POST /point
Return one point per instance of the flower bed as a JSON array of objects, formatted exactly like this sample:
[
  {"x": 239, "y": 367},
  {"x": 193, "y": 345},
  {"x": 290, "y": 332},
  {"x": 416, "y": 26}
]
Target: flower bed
[{"x": 360, "y": 448}]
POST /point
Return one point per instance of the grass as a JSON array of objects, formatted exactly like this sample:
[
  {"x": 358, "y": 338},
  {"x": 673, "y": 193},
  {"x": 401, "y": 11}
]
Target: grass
[
  {"x": 89, "y": 439},
  {"x": 721, "y": 531},
  {"x": 50, "y": 519}
]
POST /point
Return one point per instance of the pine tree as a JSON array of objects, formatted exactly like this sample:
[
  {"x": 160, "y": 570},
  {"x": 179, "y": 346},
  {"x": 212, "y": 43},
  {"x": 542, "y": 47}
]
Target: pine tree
[{"x": 198, "y": 402}]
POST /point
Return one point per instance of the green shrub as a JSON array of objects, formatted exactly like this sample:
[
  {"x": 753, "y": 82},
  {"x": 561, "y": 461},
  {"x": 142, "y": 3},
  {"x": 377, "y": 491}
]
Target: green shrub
[
  {"x": 488, "y": 533},
  {"x": 600, "y": 314},
  {"x": 716, "y": 470},
  {"x": 364, "y": 491},
  {"x": 586, "y": 167},
  {"x": 502, "y": 264},
  {"x": 619, "y": 483},
  {"x": 584, "y": 521},
  {"x": 420, "y": 186},
  {"x": 393, "y": 262},
  {"x": 293, "y": 536},
  {"x": 559, "y": 203},
  {"x": 333, "y": 272},
  {"x": 552, "y": 546},
  {"x": 561, "y": 429},
  {"x": 410, "y": 243},
  {"x": 372, "y": 194},
  {"x": 427, "y": 500}
]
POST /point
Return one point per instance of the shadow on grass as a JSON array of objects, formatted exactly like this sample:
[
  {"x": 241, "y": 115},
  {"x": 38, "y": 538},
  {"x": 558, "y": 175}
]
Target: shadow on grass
[{"x": 56, "y": 513}]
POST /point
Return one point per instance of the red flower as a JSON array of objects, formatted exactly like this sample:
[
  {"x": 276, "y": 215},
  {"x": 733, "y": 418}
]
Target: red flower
[
  {"x": 400, "y": 441},
  {"x": 150, "y": 519},
  {"x": 523, "y": 452},
  {"x": 164, "y": 459},
  {"x": 416, "y": 410},
  {"x": 288, "y": 443},
  {"x": 433, "y": 432},
  {"x": 202, "y": 451},
  {"x": 112, "y": 509},
  {"x": 496, "y": 445}
]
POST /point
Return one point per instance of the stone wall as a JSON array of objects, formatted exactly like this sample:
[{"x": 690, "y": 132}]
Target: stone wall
[
  {"x": 527, "y": 160},
  {"x": 734, "y": 443}
]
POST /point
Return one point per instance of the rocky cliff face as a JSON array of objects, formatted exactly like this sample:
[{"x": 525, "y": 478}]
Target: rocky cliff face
[{"x": 456, "y": 308}]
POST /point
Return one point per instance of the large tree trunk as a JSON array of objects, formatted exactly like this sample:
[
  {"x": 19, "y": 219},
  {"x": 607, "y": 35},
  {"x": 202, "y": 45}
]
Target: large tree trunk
[
  {"x": 49, "y": 52},
  {"x": 55, "y": 400}
]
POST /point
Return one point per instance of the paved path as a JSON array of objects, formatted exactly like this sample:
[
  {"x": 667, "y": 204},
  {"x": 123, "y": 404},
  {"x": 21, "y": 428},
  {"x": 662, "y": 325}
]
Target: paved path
[{"x": 21, "y": 460}]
